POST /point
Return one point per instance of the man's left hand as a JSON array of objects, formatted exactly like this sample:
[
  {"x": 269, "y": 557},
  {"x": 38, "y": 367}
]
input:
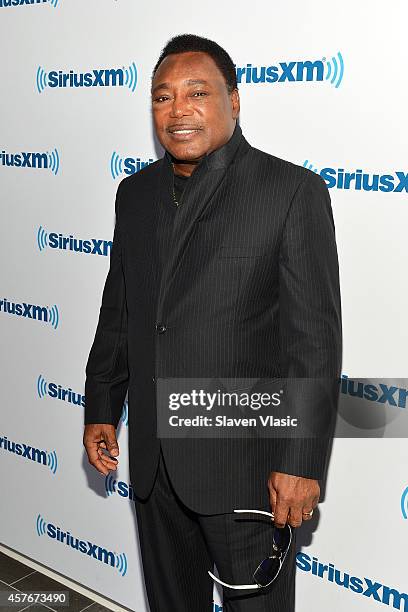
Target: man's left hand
[{"x": 292, "y": 498}]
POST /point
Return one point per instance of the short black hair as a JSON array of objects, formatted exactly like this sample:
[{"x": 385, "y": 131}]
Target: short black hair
[{"x": 183, "y": 43}]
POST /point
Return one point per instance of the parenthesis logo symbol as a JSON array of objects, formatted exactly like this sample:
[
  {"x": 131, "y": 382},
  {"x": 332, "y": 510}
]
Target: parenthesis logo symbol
[
  {"x": 52, "y": 461},
  {"x": 116, "y": 165},
  {"x": 41, "y": 386},
  {"x": 310, "y": 166},
  {"x": 54, "y": 3},
  {"x": 42, "y": 79},
  {"x": 53, "y": 161},
  {"x": 404, "y": 503},
  {"x": 110, "y": 484},
  {"x": 53, "y": 316},
  {"x": 121, "y": 563},
  {"x": 131, "y": 77},
  {"x": 42, "y": 238},
  {"x": 41, "y": 525},
  {"x": 124, "y": 416},
  {"x": 335, "y": 69}
]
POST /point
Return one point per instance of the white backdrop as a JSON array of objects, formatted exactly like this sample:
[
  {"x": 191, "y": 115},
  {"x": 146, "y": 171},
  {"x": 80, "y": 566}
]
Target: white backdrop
[{"x": 349, "y": 116}]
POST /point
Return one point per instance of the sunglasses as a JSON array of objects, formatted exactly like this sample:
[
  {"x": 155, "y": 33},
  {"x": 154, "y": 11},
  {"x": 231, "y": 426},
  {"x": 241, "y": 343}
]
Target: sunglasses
[{"x": 268, "y": 570}]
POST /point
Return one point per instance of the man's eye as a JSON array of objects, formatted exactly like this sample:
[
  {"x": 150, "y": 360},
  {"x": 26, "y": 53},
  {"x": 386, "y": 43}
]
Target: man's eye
[
  {"x": 160, "y": 99},
  {"x": 199, "y": 93}
]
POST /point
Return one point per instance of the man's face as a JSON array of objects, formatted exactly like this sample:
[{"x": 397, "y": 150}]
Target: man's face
[{"x": 193, "y": 112}]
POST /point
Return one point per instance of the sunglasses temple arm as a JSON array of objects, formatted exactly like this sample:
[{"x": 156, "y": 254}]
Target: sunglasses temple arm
[
  {"x": 234, "y": 586},
  {"x": 270, "y": 514}
]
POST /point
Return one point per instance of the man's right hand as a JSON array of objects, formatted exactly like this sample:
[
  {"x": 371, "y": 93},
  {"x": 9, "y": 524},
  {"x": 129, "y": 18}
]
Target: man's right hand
[{"x": 97, "y": 438}]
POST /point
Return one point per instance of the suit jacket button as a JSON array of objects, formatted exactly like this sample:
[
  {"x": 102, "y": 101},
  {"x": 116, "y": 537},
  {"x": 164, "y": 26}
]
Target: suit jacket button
[{"x": 161, "y": 328}]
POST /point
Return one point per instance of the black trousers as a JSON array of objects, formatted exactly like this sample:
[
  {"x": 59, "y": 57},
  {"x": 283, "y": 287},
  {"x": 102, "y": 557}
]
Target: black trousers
[{"x": 178, "y": 546}]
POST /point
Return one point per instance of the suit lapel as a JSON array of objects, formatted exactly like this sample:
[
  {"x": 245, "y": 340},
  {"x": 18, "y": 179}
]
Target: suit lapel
[{"x": 197, "y": 196}]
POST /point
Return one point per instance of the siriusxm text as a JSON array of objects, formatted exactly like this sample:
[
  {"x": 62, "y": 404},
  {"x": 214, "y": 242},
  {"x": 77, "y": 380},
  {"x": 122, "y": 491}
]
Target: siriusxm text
[
  {"x": 29, "y": 311},
  {"x": 24, "y": 450},
  {"x": 84, "y": 546},
  {"x": 282, "y": 72},
  {"x": 360, "y": 586},
  {"x": 133, "y": 165},
  {"x": 381, "y": 392},
  {"x": 65, "y": 395},
  {"x": 24, "y": 159},
  {"x": 93, "y": 246},
  {"x": 364, "y": 181},
  {"x": 105, "y": 77}
]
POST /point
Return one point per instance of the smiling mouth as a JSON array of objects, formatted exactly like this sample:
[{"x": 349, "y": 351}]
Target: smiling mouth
[{"x": 183, "y": 131}]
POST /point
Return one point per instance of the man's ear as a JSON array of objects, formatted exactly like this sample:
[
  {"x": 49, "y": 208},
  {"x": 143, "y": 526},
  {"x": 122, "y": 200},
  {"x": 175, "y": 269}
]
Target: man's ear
[{"x": 235, "y": 103}]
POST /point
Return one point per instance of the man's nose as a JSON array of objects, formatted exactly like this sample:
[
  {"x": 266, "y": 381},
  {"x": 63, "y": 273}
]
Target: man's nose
[{"x": 180, "y": 107}]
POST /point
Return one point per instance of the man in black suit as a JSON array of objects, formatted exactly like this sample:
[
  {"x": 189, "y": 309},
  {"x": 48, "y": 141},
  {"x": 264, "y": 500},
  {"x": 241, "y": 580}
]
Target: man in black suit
[{"x": 224, "y": 267}]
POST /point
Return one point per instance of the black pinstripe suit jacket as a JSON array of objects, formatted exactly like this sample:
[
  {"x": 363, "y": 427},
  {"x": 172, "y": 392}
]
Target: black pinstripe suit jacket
[{"x": 243, "y": 283}]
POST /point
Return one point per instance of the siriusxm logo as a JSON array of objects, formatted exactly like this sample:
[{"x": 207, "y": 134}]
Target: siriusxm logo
[
  {"x": 121, "y": 488},
  {"x": 41, "y": 161},
  {"x": 361, "y": 181},
  {"x": 31, "y": 453},
  {"x": 93, "y": 246},
  {"x": 31, "y": 311},
  {"x": 104, "y": 77},
  {"x": 381, "y": 393},
  {"x": 58, "y": 392},
  {"x": 359, "y": 586},
  {"x": 128, "y": 165},
  {"x": 404, "y": 503},
  {"x": 109, "y": 557},
  {"x": 330, "y": 70},
  {"x": 5, "y": 3}
]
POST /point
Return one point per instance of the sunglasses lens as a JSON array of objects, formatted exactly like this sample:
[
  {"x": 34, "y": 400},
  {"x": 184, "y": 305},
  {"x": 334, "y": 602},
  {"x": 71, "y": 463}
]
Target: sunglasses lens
[
  {"x": 281, "y": 538},
  {"x": 267, "y": 571}
]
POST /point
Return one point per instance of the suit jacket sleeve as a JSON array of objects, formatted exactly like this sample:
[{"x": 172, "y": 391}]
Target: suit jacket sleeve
[
  {"x": 107, "y": 366},
  {"x": 310, "y": 325}
]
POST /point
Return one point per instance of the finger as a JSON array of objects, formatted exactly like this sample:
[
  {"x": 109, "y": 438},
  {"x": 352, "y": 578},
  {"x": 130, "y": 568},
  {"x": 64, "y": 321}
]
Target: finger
[
  {"x": 272, "y": 499},
  {"x": 112, "y": 444},
  {"x": 101, "y": 467},
  {"x": 110, "y": 462},
  {"x": 93, "y": 458},
  {"x": 281, "y": 512},
  {"x": 295, "y": 516},
  {"x": 306, "y": 514}
]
